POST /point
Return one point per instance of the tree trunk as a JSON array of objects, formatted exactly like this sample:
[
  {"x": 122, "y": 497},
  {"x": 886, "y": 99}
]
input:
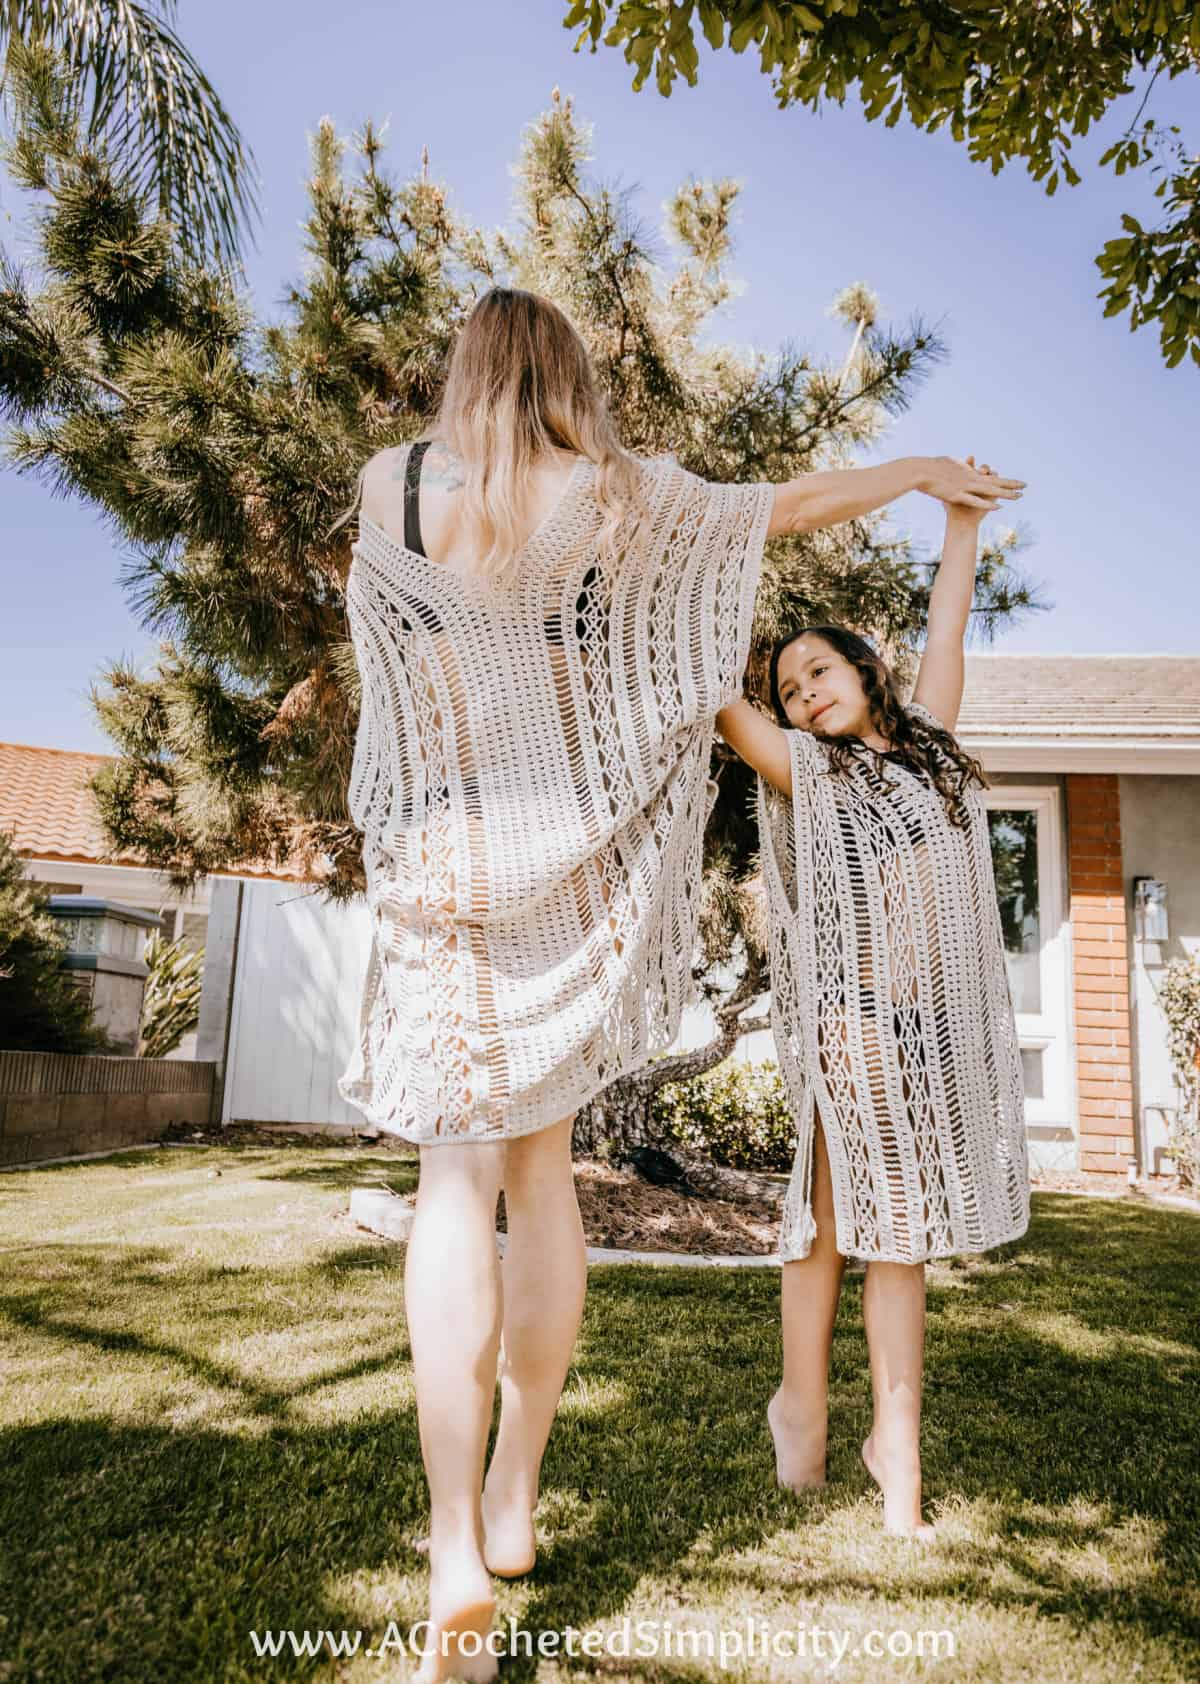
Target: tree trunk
[{"x": 620, "y": 1117}]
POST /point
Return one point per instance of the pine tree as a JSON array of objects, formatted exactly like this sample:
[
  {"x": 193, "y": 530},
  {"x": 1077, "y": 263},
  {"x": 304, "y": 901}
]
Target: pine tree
[
  {"x": 222, "y": 448},
  {"x": 41, "y": 1007}
]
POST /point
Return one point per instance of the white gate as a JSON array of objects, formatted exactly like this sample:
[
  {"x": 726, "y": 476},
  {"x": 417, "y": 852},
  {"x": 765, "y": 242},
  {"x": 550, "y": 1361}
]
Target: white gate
[{"x": 300, "y": 968}]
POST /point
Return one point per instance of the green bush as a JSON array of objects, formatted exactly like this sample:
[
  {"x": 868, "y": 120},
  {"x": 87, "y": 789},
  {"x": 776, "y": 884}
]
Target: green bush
[
  {"x": 735, "y": 1114},
  {"x": 41, "y": 1008}
]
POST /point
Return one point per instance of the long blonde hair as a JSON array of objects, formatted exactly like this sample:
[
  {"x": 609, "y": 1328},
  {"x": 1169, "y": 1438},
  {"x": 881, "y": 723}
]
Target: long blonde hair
[{"x": 520, "y": 385}]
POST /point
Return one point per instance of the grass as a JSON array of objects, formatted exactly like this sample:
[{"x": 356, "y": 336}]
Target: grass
[{"x": 208, "y": 1428}]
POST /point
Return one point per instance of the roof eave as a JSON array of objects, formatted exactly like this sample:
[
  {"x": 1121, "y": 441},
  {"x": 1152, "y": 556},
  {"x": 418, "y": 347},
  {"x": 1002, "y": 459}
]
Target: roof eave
[{"x": 1012, "y": 753}]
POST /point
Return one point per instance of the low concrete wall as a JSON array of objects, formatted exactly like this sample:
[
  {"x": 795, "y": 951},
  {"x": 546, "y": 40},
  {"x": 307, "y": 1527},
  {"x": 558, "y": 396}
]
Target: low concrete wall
[{"x": 55, "y": 1105}]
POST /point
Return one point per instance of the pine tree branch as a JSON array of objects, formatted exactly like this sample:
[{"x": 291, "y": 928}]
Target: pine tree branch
[
  {"x": 885, "y": 378},
  {"x": 107, "y": 385}
]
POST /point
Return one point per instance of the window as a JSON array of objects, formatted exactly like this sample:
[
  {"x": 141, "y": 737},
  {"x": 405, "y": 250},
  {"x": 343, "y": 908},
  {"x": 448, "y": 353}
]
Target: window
[
  {"x": 1024, "y": 826},
  {"x": 1014, "y": 836}
]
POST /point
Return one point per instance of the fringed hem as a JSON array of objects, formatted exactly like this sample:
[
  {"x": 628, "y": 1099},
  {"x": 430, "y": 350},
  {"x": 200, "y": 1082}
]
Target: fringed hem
[{"x": 790, "y": 1247}]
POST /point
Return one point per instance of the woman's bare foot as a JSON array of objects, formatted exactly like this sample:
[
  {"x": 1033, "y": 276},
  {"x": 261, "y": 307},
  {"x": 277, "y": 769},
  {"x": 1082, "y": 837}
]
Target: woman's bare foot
[
  {"x": 799, "y": 1447},
  {"x": 462, "y": 1606},
  {"x": 509, "y": 1545},
  {"x": 898, "y": 1476}
]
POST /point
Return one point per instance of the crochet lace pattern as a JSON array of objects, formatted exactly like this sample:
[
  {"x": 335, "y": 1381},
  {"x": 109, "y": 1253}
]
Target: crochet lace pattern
[
  {"x": 891, "y": 1011},
  {"x": 531, "y": 776}
]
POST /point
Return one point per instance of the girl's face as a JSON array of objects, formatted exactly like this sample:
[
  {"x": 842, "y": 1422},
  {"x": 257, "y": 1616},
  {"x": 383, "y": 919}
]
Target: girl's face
[{"x": 820, "y": 690}]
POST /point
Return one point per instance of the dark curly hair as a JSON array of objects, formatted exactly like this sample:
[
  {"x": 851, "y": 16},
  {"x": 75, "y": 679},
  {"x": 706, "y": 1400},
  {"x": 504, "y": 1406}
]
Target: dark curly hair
[{"x": 926, "y": 749}]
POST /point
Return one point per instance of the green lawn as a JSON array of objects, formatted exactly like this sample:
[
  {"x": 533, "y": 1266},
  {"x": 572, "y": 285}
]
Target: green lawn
[{"x": 208, "y": 1429}]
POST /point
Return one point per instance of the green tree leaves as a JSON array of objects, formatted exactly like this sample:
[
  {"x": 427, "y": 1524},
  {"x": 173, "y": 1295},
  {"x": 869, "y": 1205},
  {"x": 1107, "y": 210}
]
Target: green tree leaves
[{"x": 1011, "y": 80}]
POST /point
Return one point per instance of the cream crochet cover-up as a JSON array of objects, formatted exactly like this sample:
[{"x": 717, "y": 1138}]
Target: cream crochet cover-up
[
  {"x": 531, "y": 775},
  {"x": 891, "y": 1012}
]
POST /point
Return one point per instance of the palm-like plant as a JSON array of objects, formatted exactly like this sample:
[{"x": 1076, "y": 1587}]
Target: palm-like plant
[
  {"x": 171, "y": 1004},
  {"x": 151, "y": 106}
]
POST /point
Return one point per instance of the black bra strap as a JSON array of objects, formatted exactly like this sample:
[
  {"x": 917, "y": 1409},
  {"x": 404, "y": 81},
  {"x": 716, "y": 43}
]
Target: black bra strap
[{"x": 412, "y": 496}]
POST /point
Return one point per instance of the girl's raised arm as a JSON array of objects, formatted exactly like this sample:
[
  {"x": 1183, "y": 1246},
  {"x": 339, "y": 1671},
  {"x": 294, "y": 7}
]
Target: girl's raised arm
[
  {"x": 940, "y": 678},
  {"x": 760, "y": 742}
]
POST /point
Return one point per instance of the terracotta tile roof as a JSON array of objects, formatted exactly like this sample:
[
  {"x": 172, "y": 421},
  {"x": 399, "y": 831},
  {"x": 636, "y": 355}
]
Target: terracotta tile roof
[
  {"x": 50, "y": 813},
  {"x": 1147, "y": 698},
  {"x": 47, "y": 808}
]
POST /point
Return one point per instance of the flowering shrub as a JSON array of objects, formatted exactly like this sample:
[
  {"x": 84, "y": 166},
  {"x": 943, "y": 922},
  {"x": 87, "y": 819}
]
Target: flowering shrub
[{"x": 1180, "y": 999}]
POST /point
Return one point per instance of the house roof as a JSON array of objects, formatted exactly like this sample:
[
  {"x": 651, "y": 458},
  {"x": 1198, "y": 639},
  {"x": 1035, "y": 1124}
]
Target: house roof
[
  {"x": 1083, "y": 695},
  {"x": 1125, "y": 713},
  {"x": 51, "y": 814},
  {"x": 47, "y": 807}
]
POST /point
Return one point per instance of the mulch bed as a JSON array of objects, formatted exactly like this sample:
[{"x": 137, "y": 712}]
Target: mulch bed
[{"x": 625, "y": 1213}]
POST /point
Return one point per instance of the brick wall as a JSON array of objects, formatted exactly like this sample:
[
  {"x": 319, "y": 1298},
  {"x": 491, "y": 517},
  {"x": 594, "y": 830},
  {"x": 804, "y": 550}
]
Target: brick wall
[
  {"x": 1100, "y": 960},
  {"x": 59, "y": 1105}
]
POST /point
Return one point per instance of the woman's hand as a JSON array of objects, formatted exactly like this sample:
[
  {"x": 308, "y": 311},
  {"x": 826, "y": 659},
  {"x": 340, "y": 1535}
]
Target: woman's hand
[
  {"x": 970, "y": 515},
  {"x": 837, "y": 494},
  {"x": 961, "y": 486}
]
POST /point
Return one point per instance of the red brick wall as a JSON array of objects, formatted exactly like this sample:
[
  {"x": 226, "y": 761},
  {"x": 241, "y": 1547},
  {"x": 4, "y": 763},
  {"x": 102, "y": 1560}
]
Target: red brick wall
[{"x": 1100, "y": 962}]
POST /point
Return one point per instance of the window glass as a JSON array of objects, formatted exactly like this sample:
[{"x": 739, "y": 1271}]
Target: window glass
[{"x": 1014, "y": 857}]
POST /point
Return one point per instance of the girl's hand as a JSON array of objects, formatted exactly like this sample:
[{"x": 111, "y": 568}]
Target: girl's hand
[
  {"x": 963, "y": 487},
  {"x": 985, "y": 502}
]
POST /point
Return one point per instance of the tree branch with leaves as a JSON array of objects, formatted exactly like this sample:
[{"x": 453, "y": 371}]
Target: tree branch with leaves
[
  {"x": 138, "y": 94},
  {"x": 1010, "y": 80}
]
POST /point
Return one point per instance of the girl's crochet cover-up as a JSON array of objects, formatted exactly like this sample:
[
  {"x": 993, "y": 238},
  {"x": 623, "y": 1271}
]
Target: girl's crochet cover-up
[
  {"x": 531, "y": 775},
  {"x": 891, "y": 1011}
]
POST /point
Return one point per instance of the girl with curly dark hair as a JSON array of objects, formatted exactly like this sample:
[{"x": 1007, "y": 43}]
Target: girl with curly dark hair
[{"x": 890, "y": 1009}]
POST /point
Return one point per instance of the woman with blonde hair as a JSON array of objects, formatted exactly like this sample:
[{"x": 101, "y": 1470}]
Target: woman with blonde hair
[{"x": 546, "y": 628}]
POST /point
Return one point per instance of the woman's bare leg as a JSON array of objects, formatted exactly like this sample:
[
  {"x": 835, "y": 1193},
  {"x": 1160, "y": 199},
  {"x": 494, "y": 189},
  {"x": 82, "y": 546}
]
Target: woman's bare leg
[
  {"x": 545, "y": 1277},
  {"x": 798, "y": 1413},
  {"x": 894, "y": 1313},
  {"x": 452, "y": 1298}
]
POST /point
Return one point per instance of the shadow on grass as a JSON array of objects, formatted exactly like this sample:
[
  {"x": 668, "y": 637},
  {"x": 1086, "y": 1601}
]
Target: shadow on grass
[
  {"x": 363, "y": 1169},
  {"x": 1052, "y": 1420},
  {"x": 99, "y": 1280}
]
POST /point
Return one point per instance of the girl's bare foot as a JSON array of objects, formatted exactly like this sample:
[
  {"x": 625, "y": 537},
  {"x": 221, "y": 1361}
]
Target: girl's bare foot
[
  {"x": 799, "y": 1447},
  {"x": 462, "y": 1606},
  {"x": 509, "y": 1545},
  {"x": 897, "y": 1473}
]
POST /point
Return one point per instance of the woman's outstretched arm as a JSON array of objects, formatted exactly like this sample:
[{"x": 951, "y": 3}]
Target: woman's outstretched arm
[
  {"x": 760, "y": 742},
  {"x": 940, "y": 678},
  {"x": 824, "y": 499}
]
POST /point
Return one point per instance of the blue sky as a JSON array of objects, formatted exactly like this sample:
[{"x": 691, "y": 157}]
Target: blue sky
[{"x": 1037, "y": 382}]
